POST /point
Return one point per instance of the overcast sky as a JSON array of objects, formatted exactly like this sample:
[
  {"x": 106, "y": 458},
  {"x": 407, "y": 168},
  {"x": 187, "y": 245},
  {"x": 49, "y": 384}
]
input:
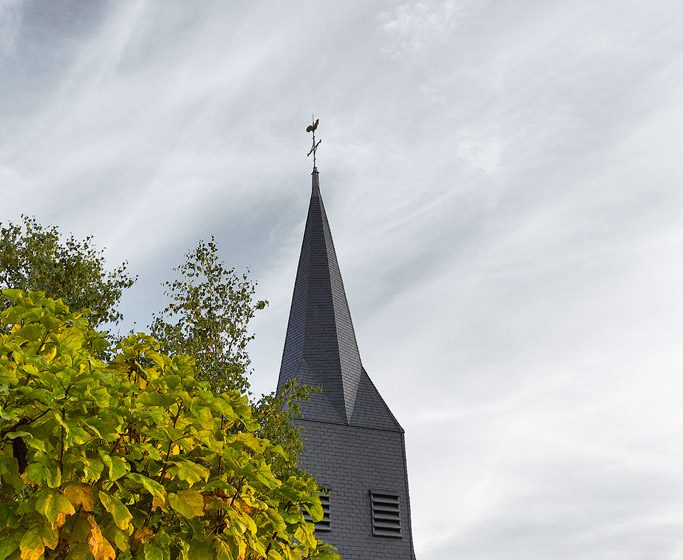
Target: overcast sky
[{"x": 504, "y": 186}]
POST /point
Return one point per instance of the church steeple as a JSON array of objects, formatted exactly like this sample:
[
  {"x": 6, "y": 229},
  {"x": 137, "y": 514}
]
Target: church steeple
[
  {"x": 320, "y": 347},
  {"x": 352, "y": 443}
]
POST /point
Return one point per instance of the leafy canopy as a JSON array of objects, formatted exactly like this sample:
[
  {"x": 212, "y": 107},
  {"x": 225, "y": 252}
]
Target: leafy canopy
[
  {"x": 208, "y": 318},
  {"x": 132, "y": 457},
  {"x": 33, "y": 257}
]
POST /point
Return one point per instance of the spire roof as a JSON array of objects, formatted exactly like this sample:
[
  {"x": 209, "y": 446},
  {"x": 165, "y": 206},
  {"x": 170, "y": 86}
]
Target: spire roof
[{"x": 320, "y": 346}]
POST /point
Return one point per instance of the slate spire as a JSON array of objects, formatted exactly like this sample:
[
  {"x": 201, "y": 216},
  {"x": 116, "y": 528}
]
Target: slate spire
[{"x": 320, "y": 347}]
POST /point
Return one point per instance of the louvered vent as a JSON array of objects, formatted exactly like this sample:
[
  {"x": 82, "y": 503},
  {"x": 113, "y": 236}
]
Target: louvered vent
[
  {"x": 386, "y": 517},
  {"x": 325, "y": 524}
]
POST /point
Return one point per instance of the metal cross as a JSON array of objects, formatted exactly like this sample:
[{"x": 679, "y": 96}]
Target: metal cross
[{"x": 311, "y": 128}]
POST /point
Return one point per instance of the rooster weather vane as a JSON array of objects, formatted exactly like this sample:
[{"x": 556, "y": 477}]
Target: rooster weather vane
[{"x": 311, "y": 128}]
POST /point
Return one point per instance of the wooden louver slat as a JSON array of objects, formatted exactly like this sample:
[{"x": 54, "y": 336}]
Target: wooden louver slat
[{"x": 386, "y": 517}]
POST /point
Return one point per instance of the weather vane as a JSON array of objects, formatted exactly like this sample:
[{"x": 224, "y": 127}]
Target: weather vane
[{"x": 311, "y": 128}]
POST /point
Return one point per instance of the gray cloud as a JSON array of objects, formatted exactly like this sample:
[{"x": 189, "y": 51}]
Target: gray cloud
[{"x": 502, "y": 181}]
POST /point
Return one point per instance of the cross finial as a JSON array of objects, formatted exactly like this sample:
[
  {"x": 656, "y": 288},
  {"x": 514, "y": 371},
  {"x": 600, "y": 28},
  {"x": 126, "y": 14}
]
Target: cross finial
[{"x": 311, "y": 128}]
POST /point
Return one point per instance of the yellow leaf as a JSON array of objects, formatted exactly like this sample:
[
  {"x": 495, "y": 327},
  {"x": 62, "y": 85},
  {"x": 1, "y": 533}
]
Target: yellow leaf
[
  {"x": 99, "y": 546},
  {"x": 49, "y": 353},
  {"x": 142, "y": 534},
  {"x": 241, "y": 505},
  {"x": 120, "y": 513},
  {"x": 81, "y": 495},
  {"x": 188, "y": 503},
  {"x": 31, "y": 545},
  {"x": 158, "y": 503},
  {"x": 61, "y": 519}
]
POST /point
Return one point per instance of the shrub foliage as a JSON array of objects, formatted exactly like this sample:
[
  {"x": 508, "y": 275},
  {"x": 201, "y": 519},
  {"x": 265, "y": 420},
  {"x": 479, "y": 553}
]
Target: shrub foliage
[{"x": 132, "y": 457}]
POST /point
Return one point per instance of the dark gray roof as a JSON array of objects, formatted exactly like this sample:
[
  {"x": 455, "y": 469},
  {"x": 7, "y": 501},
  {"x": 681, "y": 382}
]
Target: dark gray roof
[{"x": 320, "y": 347}]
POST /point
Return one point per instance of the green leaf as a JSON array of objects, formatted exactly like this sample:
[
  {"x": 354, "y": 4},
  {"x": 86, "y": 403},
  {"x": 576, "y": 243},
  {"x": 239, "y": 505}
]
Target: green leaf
[
  {"x": 153, "y": 552},
  {"x": 200, "y": 550},
  {"x": 51, "y": 504},
  {"x": 12, "y": 294},
  {"x": 152, "y": 486},
  {"x": 122, "y": 517},
  {"x": 9, "y": 472},
  {"x": 315, "y": 510},
  {"x": 78, "y": 436},
  {"x": 117, "y": 466},
  {"x": 247, "y": 439},
  {"x": 36, "y": 472},
  {"x": 30, "y": 332},
  {"x": 92, "y": 469},
  {"x": 47, "y": 470},
  {"x": 50, "y": 322},
  {"x": 190, "y": 472},
  {"x": 50, "y": 536},
  {"x": 188, "y": 503},
  {"x": 8, "y": 545},
  {"x": 222, "y": 551},
  {"x": 151, "y": 398},
  {"x": 13, "y": 435},
  {"x": 36, "y": 443},
  {"x": 118, "y": 537}
]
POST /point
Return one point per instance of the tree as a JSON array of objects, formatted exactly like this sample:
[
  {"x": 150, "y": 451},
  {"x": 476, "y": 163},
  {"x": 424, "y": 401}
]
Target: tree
[
  {"x": 275, "y": 412},
  {"x": 132, "y": 457},
  {"x": 208, "y": 318},
  {"x": 33, "y": 257}
]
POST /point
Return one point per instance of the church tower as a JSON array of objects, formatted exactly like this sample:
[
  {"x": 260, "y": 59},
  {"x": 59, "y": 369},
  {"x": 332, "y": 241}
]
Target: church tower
[{"x": 353, "y": 445}]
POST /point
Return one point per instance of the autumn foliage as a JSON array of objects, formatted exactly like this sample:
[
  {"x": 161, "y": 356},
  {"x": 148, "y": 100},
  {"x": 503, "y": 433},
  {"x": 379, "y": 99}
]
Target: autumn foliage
[{"x": 120, "y": 452}]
